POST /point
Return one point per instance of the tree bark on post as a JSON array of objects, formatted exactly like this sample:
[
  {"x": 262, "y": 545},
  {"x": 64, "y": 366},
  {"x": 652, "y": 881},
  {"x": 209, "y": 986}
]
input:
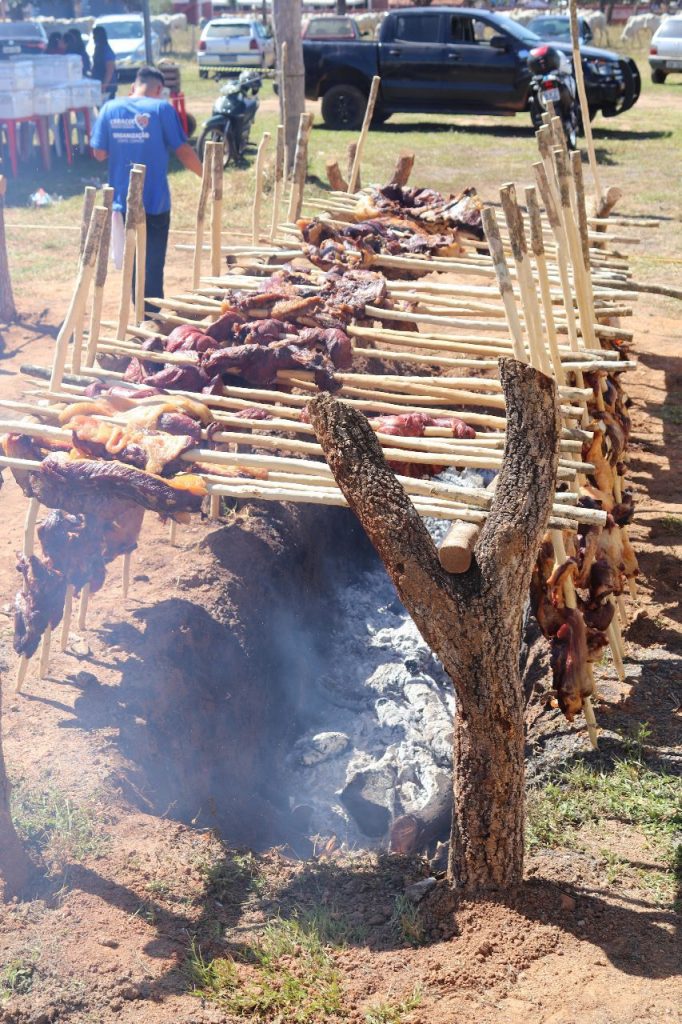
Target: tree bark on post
[
  {"x": 471, "y": 621},
  {"x": 287, "y": 22}
]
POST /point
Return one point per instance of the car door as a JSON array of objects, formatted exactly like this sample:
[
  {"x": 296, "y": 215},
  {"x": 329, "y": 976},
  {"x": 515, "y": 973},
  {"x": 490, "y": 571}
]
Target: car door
[
  {"x": 478, "y": 75},
  {"x": 411, "y": 63}
]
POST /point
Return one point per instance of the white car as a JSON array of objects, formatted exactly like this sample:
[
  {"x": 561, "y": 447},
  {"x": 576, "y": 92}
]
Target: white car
[
  {"x": 125, "y": 33},
  {"x": 235, "y": 42},
  {"x": 665, "y": 54}
]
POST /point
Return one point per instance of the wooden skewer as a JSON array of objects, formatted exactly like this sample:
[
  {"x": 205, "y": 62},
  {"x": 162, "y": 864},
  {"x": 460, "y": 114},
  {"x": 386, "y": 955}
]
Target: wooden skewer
[
  {"x": 537, "y": 246},
  {"x": 80, "y": 294},
  {"x": 83, "y": 606},
  {"x": 258, "y": 187},
  {"x": 134, "y": 212},
  {"x": 100, "y": 278},
  {"x": 28, "y": 548},
  {"x": 44, "y": 665},
  {"x": 89, "y": 197},
  {"x": 300, "y": 166},
  {"x": 66, "y": 619},
  {"x": 517, "y": 235},
  {"x": 172, "y": 532},
  {"x": 582, "y": 96},
  {"x": 217, "y": 170},
  {"x": 125, "y": 580},
  {"x": 492, "y": 234},
  {"x": 279, "y": 181},
  {"x": 206, "y": 171},
  {"x": 141, "y": 264},
  {"x": 366, "y": 122}
]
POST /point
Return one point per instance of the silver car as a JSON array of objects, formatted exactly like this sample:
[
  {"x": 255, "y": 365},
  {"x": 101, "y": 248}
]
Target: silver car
[
  {"x": 235, "y": 42},
  {"x": 125, "y": 33}
]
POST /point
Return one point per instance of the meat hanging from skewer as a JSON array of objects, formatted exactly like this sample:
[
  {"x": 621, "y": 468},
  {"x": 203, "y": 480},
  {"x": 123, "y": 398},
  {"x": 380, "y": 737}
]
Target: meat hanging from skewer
[{"x": 38, "y": 604}]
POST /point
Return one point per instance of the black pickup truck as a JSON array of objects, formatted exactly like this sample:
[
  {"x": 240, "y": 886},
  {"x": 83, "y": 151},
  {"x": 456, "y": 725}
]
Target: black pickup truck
[{"x": 450, "y": 60}]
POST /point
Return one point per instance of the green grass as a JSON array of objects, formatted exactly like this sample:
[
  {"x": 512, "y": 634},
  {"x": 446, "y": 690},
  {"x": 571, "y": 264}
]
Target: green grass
[
  {"x": 16, "y": 979},
  {"x": 671, "y": 524},
  {"x": 629, "y": 792},
  {"x": 287, "y": 976},
  {"x": 393, "y": 1013},
  {"x": 407, "y": 922},
  {"x": 234, "y": 876},
  {"x": 58, "y": 828}
]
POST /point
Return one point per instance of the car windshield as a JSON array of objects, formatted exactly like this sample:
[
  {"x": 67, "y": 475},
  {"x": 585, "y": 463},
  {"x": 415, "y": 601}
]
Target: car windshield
[
  {"x": 331, "y": 27},
  {"x": 123, "y": 29},
  {"x": 227, "y": 29},
  {"x": 19, "y": 30},
  {"x": 670, "y": 29},
  {"x": 517, "y": 31},
  {"x": 551, "y": 28}
]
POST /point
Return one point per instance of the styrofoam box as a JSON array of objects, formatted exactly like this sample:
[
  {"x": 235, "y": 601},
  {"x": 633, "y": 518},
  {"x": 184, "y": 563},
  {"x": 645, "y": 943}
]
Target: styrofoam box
[
  {"x": 52, "y": 100},
  {"x": 15, "y": 104},
  {"x": 81, "y": 93},
  {"x": 54, "y": 68},
  {"x": 16, "y": 74}
]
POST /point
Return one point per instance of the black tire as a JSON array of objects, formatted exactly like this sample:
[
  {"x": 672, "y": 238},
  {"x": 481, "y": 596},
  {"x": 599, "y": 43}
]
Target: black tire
[
  {"x": 380, "y": 117},
  {"x": 658, "y": 77},
  {"x": 214, "y": 135},
  {"x": 343, "y": 107}
]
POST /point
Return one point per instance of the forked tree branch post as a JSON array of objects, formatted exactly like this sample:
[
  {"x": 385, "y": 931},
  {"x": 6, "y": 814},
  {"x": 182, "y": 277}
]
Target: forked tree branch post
[{"x": 472, "y": 621}]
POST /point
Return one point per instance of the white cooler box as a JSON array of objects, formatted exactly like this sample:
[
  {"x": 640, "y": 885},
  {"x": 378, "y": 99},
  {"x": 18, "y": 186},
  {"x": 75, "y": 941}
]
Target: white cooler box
[
  {"x": 57, "y": 68},
  {"x": 15, "y": 104},
  {"x": 53, "y": 100},
  {"x": 16, "y": 74},
  {"x": 86, "y": 93}
]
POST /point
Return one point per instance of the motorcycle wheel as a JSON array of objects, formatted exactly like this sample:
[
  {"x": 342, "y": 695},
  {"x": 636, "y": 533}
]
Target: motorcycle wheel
[
  {"x": 571, "y": 131},
  {"x": 214, "y": 135}
]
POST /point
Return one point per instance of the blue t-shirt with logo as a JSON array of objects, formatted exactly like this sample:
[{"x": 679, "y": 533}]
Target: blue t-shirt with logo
[{"x": 139, "y": 131}]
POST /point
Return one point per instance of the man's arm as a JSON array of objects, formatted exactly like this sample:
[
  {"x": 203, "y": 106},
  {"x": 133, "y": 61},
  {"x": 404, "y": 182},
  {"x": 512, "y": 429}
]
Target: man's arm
[
  {"x": 100, "y": 154},
  {"x": 187, "y": 157}
]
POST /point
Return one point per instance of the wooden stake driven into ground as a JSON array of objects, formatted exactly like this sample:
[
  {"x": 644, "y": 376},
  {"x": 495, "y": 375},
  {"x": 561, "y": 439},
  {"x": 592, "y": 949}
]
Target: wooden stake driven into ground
[
  {"x": 89, "y": 197},
  {"x": 584, "y": 106},
  {"x": 206, "y": 171},
  {"x": 80, "y": 294},
  {"x": 134, "y": 211},
  {"x": 258, "y": 187},
  {"x": 300, "y": 167},
  {"x": 278, "y": 187},
  {"x": 471, "y": 621},
  {"x": 100, "y": 278},
  {"x": 367, "y": 120},
  {"x": 217, "y": 156}
]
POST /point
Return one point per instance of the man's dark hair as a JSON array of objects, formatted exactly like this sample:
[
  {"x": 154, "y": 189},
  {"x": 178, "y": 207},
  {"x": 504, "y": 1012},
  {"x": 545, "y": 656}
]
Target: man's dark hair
[{"x": 146, "y": 75}]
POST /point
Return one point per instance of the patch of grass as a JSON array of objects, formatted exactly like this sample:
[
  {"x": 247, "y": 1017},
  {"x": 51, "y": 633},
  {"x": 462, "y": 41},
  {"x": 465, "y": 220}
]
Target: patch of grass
[
  {"x": 16, "y": 979},
  {"x": 671, "y": 412},
  {"x": 407, "y": 922},
  {"x": 333, "y": 927},
  {"x": 627, "y": 791},
  {"x": 393, "y": 1013},
  {"x": 60, "y": 829},
  {"x": 237, "y": 874},
  {"x": 287, "y": 976},
  {"x": 671, "y": 524}
]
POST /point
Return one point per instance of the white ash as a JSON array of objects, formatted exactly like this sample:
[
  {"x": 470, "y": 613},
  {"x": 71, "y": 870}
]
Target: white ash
[{"x": 380, "y": 746}]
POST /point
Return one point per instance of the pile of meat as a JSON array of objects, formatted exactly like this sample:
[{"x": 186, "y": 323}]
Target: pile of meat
[
  {"x": 294, "y": 323},
  {"x": 395, "y": 221},
  {"x": 601, "y": 560}
]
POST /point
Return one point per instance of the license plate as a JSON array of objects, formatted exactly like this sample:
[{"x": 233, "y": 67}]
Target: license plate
[
  {"x": 552, "y": 95},
  {"x": 674, "y": 65},
  {"x": 11, "y": 49}
]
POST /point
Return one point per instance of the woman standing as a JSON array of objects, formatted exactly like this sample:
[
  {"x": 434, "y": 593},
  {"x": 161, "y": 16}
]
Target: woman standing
[
  {"x": 74, "y": 44},
  {"x": 104, "y": 63}
]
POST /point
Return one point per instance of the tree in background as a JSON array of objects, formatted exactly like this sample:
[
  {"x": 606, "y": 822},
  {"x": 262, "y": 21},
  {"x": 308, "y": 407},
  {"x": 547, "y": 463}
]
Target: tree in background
[{"x": 287, "y": 23}]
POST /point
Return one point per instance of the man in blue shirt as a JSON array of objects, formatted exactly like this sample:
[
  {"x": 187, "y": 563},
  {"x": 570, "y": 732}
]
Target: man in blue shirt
[{"x": 143, "y": 129}]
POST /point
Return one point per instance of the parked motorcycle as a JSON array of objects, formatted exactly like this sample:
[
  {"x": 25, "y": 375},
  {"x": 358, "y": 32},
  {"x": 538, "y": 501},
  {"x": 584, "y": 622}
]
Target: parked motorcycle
[
  {"x": 553, "y": 85},
  {"x": 232, "y": 117}
]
